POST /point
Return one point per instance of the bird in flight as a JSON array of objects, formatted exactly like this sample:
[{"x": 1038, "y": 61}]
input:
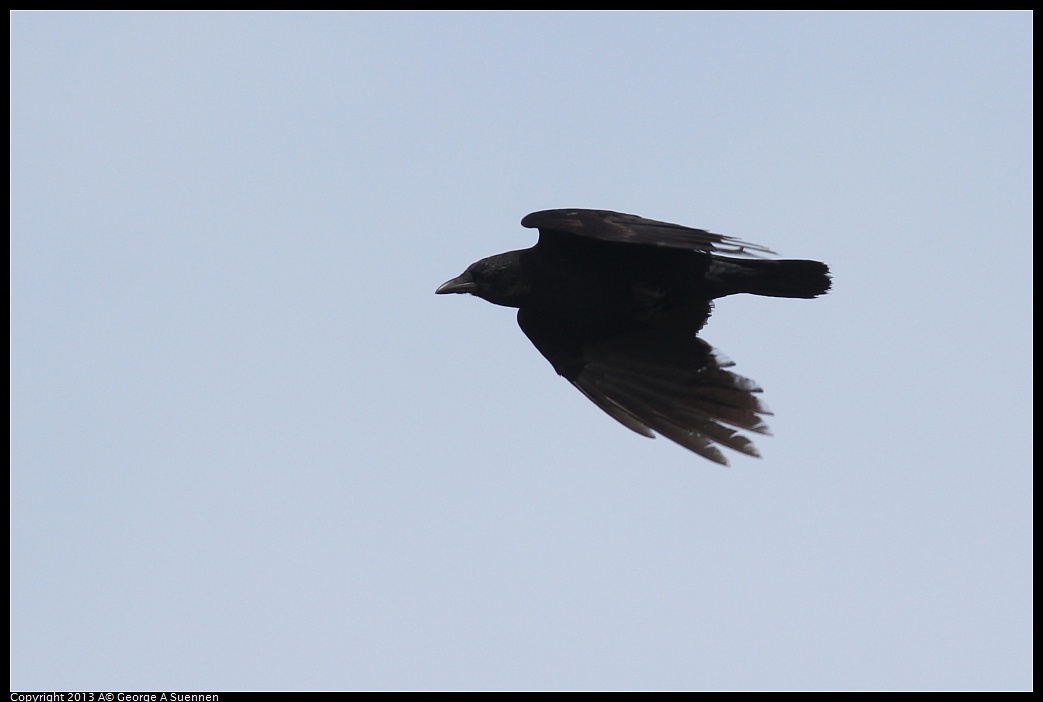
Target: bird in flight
[{"x": 615, "y": 301}]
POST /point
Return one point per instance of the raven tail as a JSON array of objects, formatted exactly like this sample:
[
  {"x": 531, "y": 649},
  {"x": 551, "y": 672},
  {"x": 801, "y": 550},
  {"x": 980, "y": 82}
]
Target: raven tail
[{"x": 787, "y": 278}]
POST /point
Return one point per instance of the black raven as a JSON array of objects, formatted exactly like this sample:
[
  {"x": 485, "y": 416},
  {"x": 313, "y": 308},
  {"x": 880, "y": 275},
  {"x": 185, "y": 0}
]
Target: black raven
[{"x": 614, "y": 301}]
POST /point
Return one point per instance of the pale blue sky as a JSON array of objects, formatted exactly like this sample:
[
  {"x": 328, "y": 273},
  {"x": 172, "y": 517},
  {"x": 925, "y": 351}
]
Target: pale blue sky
[{"x": 251, "y": 449}]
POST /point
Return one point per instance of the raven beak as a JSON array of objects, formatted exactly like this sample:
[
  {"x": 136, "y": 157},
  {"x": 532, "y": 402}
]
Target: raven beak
[{"x": 461, "y": 284}]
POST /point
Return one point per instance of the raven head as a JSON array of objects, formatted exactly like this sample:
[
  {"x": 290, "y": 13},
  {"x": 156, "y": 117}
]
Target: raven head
[{"x": 500, "y": 279}]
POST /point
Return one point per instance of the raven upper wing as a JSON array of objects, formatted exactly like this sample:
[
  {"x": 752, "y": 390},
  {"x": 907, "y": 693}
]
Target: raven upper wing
[
  {"x": 616, "y": 226},
  {"x": 658, "y": 378}
]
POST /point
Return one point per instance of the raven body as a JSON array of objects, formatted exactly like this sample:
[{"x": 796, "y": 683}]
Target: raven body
[{"x": 614, "y": 301}]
